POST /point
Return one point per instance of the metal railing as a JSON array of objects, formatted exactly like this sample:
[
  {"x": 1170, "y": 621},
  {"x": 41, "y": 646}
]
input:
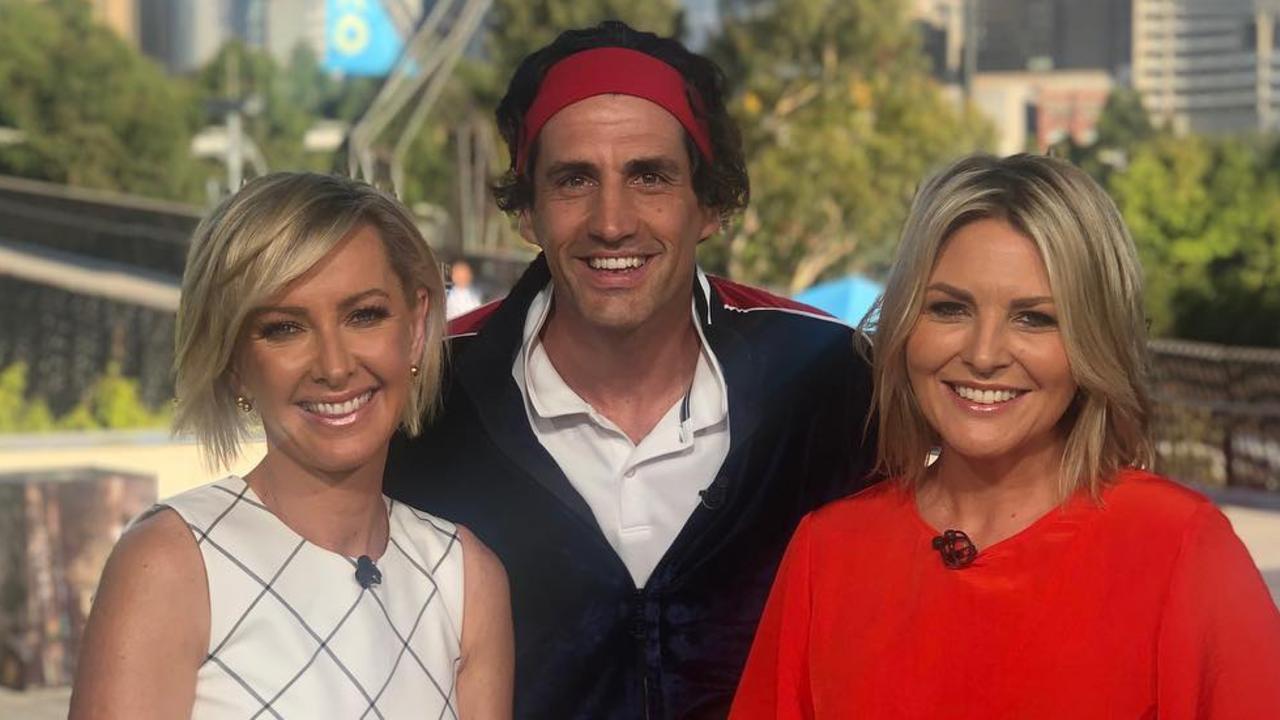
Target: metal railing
[{"x": 1217, "y": 413}]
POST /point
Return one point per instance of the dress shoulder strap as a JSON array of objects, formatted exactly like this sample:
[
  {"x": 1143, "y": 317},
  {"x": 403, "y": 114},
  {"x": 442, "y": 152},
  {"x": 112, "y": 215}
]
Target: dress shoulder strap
[
  {"x": 202, "y": 507},
  {"x": 433, "y": 547}
]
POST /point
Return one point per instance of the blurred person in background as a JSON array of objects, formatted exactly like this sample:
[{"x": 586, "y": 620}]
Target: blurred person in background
[
  {"x": 462, "y": 297},
  {"x": 311, "y": 304},
  {"x": 635, "y": 439},
  {"x": 1035, "y": 569}
]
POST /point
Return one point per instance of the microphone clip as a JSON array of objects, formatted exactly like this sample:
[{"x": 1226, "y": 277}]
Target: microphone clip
[
  {"x": 956, "y": 549},
  {"x": 367, "y": 574},
  {"x": 712, "y": 496}
]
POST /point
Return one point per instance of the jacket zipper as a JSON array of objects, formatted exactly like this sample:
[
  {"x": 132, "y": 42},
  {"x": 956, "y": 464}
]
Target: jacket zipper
[{"x": 646, "y": 693}]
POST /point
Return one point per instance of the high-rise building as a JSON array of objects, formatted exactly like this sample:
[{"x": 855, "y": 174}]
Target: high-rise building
[
  {"x": 156, "y": 37},
  {"x": 942, "y": 24},
  {"x": 247, "y": 21},
  {"x": 1015, "y": 34},
  {"x": 1018, "y": 35},
  {"x": 184, "y": 34},
  {"x": 1208, "y": 65},
  {"x": 1041, "y": 70},
  {"x": 1094, "y": 35},
  {"x": 290, "y": 23},
  {"x": 1053, "y": 35},
  {"x": 119, "y": 15}
]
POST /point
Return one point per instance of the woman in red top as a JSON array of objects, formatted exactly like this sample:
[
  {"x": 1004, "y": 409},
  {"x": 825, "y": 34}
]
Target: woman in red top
[{"x": 1031, "y": 571}]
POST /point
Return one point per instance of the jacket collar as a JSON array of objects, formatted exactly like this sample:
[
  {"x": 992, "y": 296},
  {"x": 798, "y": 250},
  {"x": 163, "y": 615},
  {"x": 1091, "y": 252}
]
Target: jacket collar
[
  {"x": 484, "y": 371},
  {"x": 740, "y": 360}
]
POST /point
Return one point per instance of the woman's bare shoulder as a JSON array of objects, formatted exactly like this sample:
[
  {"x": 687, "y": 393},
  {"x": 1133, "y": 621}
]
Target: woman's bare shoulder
[
  {"x": 486, "y": 670},
  {"x": 482, "y": 570},
  {"x": 158, "y": 548},
  {"x": 148, "y": 629}
]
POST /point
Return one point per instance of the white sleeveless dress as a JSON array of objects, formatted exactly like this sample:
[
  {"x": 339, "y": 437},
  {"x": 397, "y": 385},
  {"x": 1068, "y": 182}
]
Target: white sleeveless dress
[{"x": 293, "y": 634}]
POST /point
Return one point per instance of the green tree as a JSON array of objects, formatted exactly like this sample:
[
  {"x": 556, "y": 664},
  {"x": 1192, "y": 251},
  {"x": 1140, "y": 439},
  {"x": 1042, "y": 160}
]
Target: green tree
[
  {"x": 1123, "y": 126},
  {"x": 17, "y": 414},
  {"x": 1124, "y": 122},
  {"x": 515, "y": 28},
  {"x": 94, "y": 112},
  {"x": 287, "y": 101},
  {"x": 306, "y": 85},
  {"x": 1205, "y": 215},
  {"x": 114, "y": 403},
  {"x": 841, "y": 120},
  {"x": 350, "y": 97},
  {"x": 283, "y": 101}
]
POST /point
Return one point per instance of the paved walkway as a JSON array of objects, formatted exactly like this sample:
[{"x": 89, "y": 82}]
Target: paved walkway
[{"x": 42, "y": 704}]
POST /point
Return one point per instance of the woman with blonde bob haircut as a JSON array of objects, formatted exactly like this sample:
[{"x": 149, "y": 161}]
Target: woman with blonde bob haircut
[
  {"x": 270, "y": 233},
  {"x": 1096, "y": 278},
  {"x": 313, "y": 308},
  {"x": 1021, "y": 561}
]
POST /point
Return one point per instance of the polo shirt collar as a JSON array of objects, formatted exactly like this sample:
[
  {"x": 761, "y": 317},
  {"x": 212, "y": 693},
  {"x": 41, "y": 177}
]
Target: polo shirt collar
[{"x": 549, "y": 396}]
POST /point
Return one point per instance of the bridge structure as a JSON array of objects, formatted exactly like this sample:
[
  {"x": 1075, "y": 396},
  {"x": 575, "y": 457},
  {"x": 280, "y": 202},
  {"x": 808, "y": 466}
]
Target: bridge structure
[{"x": 89, "y": 278}]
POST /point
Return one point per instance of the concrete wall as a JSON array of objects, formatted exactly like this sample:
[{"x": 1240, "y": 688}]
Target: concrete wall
[{"x": 175, "y": 463}]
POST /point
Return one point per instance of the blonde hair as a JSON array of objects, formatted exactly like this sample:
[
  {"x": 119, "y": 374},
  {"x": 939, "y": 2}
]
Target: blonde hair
[
  {"x": 247, "y": 250},
  {"x": 1096, "y": 281}
]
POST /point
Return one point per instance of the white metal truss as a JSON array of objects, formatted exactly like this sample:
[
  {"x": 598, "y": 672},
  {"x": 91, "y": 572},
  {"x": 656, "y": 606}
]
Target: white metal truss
[{"x": 377, "y": 143}]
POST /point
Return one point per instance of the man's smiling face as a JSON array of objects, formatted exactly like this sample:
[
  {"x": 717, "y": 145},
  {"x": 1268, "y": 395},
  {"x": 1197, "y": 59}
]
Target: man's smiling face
[{"x": 615, "y": 211}]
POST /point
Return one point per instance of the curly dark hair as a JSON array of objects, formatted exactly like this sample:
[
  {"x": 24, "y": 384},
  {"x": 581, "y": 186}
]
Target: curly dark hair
[{"x": 721, "y": 184}]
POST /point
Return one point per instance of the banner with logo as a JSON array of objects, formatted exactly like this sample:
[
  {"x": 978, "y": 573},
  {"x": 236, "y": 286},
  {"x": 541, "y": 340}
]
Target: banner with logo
[{"x": 359, "y": 38}]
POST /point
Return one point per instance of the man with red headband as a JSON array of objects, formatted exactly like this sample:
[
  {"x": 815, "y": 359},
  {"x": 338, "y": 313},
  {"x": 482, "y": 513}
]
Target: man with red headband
[{"x": 635, "y": 439}]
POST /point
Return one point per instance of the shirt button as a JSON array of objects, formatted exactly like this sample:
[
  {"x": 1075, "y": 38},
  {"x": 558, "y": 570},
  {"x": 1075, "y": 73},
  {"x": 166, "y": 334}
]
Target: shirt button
[{"x": 629, "y": 474}]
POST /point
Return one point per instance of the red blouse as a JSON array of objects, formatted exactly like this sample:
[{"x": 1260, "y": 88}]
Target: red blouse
[{"x": 1144, "y": 606}]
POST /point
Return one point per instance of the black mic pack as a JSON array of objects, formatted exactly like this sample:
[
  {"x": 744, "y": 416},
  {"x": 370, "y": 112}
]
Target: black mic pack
[{"x": 367, "y": 574}]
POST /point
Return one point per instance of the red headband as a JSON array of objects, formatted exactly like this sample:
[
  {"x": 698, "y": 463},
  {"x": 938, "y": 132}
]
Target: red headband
[{"x": 610, "y": 70}]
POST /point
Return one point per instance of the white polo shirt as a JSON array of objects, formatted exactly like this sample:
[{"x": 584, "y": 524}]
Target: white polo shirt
[{"x": 641, "y": 494}]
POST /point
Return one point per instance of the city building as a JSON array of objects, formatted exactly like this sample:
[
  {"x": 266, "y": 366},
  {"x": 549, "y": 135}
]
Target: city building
[
  {"x": 1033, "y": 110},
  {"x": 286, "y": 24},
  {"x": 119, "y": 15},
  {"x": 1208, "y": 65},
  {"x": 183, "y": 35},
  {"x": 1040, "y": 70},
  {"x": 156, "y": 31},
  {"x": 942, "y": 24},
  {"x": 1094, "y": 35},
  {"x": 1039, "y": 35},
  {"x": 1015, "y": 35}
]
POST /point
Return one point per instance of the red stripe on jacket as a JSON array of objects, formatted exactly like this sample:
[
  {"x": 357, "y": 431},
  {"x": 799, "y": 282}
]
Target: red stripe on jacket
[
  {"x": 735, "y": 296},
  {"x": 745, "y": 297}
]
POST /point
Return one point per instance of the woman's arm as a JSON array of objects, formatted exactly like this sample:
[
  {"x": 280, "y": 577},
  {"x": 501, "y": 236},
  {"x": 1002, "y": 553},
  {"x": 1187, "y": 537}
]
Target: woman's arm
[
  {"x": 775, "y": 683},
  {"x": 148, "y": 630},
  {"x": 487, "y": 670}
]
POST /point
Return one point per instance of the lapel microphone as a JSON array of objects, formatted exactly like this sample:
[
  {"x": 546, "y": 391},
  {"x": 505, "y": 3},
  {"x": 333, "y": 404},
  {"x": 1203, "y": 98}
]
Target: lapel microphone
[
  {"x": 367, "y": 574},
  {"x": 712, "y": 496},
  {"x": 956, "y": 549}
]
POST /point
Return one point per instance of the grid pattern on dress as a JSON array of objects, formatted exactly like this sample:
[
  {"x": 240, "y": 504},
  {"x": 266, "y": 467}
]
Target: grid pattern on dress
[{"x": 293, "y": 633}]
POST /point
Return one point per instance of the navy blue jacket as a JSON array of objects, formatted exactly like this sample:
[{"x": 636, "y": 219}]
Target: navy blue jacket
[{"x": 589, "y": 644}]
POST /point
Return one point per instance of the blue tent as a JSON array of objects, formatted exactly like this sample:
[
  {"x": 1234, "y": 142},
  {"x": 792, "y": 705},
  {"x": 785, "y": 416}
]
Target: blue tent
[{"x": 848, "y": 298}]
